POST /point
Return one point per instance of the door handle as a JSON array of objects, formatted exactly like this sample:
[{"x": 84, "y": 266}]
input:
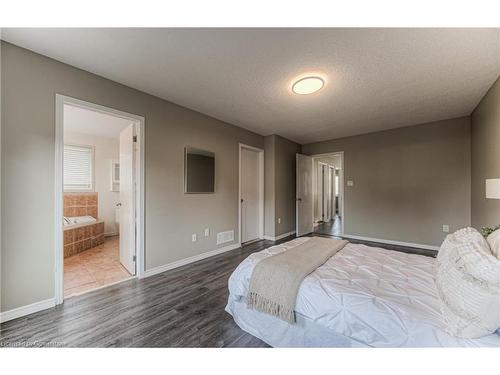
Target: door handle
[
  {"x": 118, "y": 205},
  {"x": 241, "y": 200},
  {"x": 299, "y": 199}
]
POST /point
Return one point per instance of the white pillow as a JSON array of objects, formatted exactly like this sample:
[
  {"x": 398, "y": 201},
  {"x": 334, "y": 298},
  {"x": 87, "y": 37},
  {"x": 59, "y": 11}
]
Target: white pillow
[
  {"x": 494, "y": 242},
  {"x": 468, "y": 284}
]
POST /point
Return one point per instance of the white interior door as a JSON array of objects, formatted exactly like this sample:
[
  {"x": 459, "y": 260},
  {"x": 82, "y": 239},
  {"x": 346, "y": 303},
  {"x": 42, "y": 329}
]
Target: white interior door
[
  {"x": 305, "y": 198},
  {"x": 326, "y": 193},
  {"x": 127, "y": 199},
  {"x": 318, "y": 209},
  {"x": 250, "y": 195},
  {"x": 332, "y": 193}
]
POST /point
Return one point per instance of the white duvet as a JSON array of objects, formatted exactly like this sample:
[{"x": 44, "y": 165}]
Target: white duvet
[{"x": 368, "y": 296}]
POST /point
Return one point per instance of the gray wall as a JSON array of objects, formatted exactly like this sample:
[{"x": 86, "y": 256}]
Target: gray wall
[
  {"x": 485, "y": 147},
  {"x": 29, "y": 85},
  {"x": 408, "y": 182},
  {"x": 280, "y": 185}
]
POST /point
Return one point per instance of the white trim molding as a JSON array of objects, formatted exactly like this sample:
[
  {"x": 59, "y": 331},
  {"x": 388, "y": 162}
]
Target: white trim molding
[
  {"x": 62, "y": 100},
  {"x": 26, "y": 310},
  {"x": 281, "y": 236},
  {"x": 391, "y": 242},
  {"x": 185, "y": 261}
]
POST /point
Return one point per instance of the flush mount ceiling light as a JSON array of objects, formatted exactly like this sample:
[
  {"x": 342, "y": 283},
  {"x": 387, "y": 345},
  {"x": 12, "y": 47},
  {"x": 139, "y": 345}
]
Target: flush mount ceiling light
[{"x": 308, "y": 85}]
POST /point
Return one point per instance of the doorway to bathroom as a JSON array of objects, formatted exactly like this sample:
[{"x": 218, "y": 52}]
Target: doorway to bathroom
[{"x": 99, "y": 196}]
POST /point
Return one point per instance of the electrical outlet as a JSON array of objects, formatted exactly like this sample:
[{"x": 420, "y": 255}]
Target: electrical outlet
[
  {"x": 446, "y": 228},
  {"x": 279, "y": 220},
  {"x": 207, "y": 232},
  {"x": 193, "y": 237}
]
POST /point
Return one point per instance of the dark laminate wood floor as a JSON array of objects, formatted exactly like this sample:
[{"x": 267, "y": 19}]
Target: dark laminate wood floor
[
  {"x": 178, "y": 308},
  {"x": 331, "y": 228}
]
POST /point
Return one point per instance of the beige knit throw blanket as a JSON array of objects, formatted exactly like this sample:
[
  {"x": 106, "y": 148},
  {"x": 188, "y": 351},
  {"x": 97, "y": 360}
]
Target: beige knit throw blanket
[{"x": 276, "y": 280}]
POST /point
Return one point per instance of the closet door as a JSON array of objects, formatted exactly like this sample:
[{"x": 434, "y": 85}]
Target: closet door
[{"x": 250, "y": 195}]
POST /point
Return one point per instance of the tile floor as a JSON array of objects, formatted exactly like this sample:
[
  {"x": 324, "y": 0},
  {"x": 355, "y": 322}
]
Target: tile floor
[{"x": 94, "y": 268}]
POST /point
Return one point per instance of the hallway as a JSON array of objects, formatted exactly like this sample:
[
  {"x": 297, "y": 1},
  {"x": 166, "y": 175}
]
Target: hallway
[{"x": 331, "y": 228}]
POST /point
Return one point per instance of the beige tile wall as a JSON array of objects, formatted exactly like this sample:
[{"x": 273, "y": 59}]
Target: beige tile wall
[
  {"x": 83, "y": 238},
  {"x": 81, "y": 204}
]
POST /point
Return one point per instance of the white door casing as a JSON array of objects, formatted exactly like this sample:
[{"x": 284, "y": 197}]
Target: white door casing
[
  {"x": 332, "y": 193},
  {"x": 326, "y": 192},
  {"x": 319, "y": 192},
  {"x": 127, "y": 199},
  {"x": 139, "y": 121},
  {"x": 250, "y": 195},
  {"x": 305, "y": 197}
]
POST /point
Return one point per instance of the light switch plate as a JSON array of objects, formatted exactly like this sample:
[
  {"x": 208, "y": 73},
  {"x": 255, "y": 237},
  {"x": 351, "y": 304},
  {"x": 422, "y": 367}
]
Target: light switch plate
[
  {"x": 350, "y": 183},
  {"x": 446, "y": 228},
  {"x": 207, "y": 232},
  {"x": 193, "y": 237}
]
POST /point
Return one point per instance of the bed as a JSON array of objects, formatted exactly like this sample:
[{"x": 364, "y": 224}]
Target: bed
[{"x": 361, "y": 297}]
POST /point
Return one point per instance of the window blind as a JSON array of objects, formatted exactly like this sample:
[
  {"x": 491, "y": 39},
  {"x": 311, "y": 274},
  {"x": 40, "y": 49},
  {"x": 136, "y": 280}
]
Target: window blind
[{"x": 78, "y": 168}]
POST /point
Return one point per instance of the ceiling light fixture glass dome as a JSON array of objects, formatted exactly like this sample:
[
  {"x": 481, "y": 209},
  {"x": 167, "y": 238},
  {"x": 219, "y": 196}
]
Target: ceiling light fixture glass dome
[{"x": 308, "y": 85}]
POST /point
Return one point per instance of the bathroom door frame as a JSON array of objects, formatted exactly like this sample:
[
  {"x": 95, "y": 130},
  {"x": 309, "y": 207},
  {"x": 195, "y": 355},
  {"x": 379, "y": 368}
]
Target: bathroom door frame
[{"x": 61, "y": 101}]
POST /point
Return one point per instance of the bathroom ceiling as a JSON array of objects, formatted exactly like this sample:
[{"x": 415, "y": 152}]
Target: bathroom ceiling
[
  {"x": 84, "y": 121},
  {"x": 375, "y": 79}
]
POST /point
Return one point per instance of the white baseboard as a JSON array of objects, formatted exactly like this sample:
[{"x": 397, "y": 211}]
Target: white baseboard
[
  {"x": 195, "y": 258},
  {"x": 284, "y": 235},
  {"x": 391, "y": 242},
  {"x": 111, "y": 234},
  {"x": 26, "y": 310}
]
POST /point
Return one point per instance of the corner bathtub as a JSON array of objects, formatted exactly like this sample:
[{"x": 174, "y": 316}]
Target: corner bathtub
[{"x": 82, "y": 233}]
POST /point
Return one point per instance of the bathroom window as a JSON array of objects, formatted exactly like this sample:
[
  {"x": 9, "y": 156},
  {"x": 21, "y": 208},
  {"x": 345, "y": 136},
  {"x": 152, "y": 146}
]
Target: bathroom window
[{"x": 78, "y": 168}]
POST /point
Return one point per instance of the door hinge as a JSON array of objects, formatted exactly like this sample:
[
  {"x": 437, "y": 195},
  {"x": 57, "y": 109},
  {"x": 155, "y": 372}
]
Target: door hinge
[
  {"x": 134, "y": 138},
  {"x": 134, "y": 258}
]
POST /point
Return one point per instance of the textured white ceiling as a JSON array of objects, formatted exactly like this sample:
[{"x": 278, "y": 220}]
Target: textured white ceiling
[
  {"x": 375, "y": 78},
  {"x": 84, "y": 121}
]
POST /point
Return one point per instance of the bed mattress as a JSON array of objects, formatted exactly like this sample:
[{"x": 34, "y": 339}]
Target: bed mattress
[{"x": 361, "y": 297}]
